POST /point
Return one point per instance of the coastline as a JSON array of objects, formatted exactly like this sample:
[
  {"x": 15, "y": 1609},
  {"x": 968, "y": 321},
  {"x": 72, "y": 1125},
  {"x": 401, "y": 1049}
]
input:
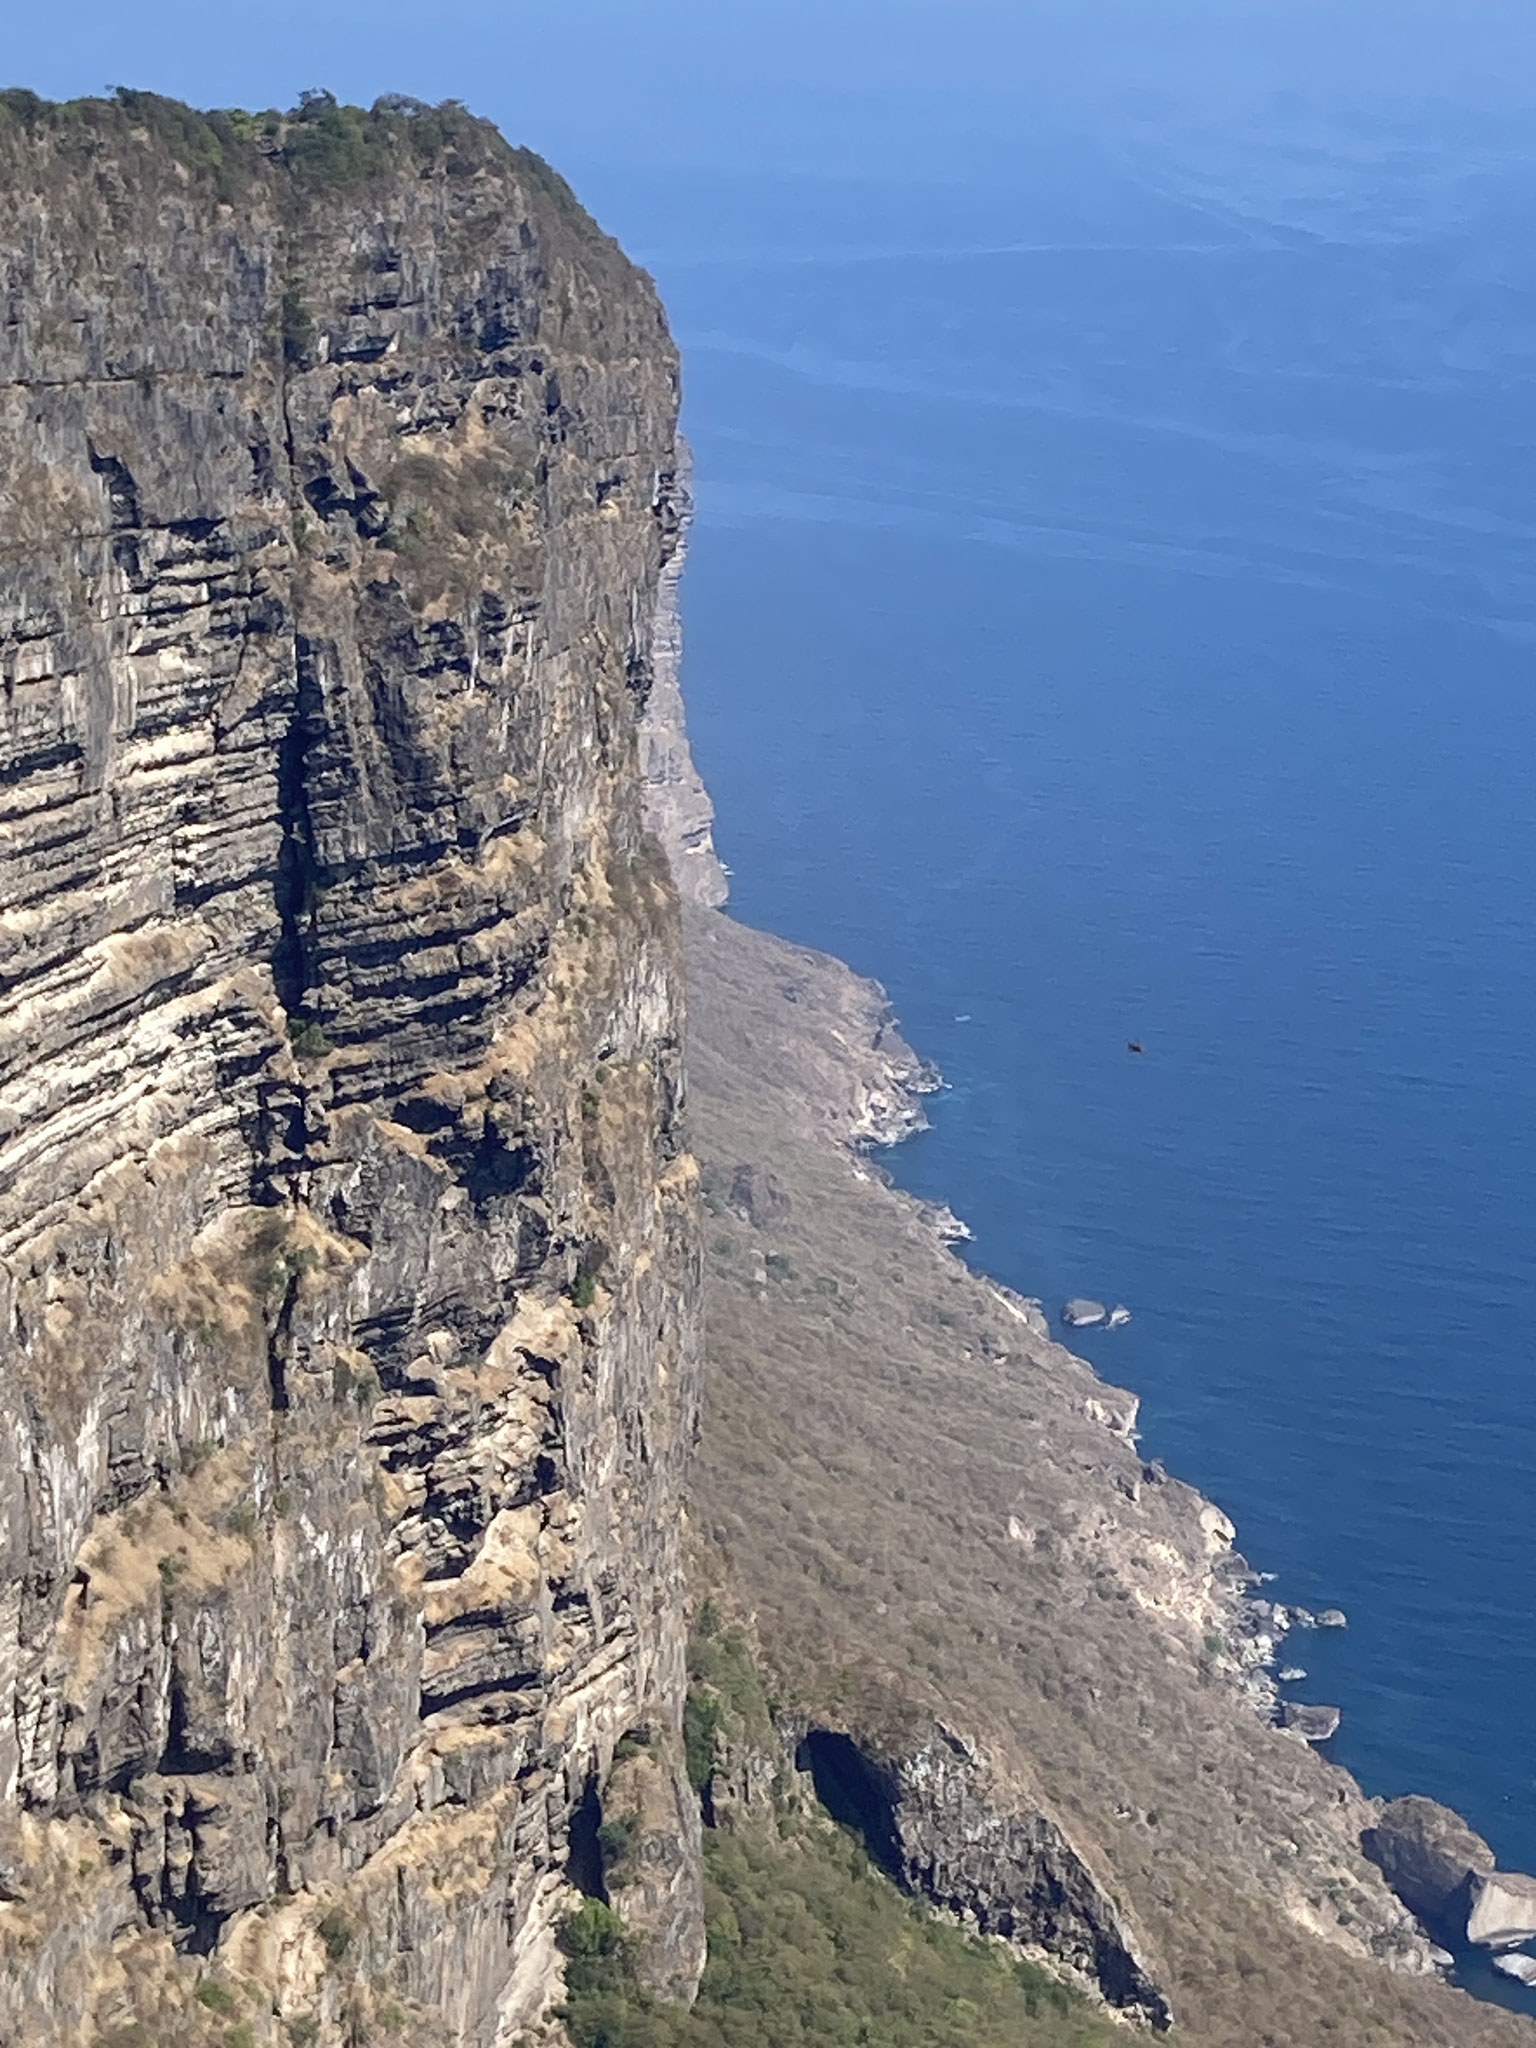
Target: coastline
[
  {"x": 942, "y": 1527},
  {"x": 1257, "y": 1628}
]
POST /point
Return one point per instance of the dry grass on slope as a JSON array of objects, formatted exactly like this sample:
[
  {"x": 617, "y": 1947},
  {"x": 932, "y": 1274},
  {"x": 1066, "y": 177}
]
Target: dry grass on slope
[{"x": 910, "y": 1490}]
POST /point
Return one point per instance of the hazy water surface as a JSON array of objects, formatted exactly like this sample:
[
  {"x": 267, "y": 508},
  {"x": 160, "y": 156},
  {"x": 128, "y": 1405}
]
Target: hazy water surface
[{"x": 1103, "y": 638}]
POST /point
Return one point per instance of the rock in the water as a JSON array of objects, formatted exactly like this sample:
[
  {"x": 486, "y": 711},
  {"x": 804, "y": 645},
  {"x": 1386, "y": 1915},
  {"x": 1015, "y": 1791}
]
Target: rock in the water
[
  {"x": 1118, "y": 1316},
  {"x": 1292, "y": 1675},
  {"x": 1333, "y": 1617},
  {"x": 1079, "y": 1314},
  {"x": 1521, "y": 1968},
  {"x": 1315, "y": 1724},
  {"x": 1428, "y": 1855},
  {"x": 1503, "y": 1909}
]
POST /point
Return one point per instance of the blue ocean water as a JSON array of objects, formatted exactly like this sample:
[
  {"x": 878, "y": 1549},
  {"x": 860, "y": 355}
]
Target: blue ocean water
[{"x": 1125, "y": 631}]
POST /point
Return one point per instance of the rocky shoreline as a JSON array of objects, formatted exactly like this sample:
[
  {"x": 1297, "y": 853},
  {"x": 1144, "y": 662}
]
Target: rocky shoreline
[
  {"x": 860, "y": 1085},
  {"x": 1494, "y": 1910},
  {"x": 1442, "y": 1871}
]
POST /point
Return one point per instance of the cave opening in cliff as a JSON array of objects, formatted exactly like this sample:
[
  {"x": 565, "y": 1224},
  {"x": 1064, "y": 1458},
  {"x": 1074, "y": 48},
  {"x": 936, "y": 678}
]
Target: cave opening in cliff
[
  {"x": 297, "y": 883},
  {"x": 584, "y": 1851},
  {"x": 856, "y": 1792}
]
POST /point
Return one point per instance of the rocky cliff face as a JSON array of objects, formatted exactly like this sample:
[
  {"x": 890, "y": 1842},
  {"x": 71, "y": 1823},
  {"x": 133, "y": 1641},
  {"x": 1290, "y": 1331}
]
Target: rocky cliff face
[
  {"x": 346, "y": 1255},
  {"x": 677, "y": 805}
]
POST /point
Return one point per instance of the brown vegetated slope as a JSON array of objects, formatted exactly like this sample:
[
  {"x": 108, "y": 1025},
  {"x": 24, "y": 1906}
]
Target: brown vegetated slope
[{"x": 939, "y": 1524}]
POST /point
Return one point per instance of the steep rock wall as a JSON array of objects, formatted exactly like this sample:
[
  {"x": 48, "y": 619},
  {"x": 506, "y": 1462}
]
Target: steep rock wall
[
  {"x": 678, "y": 809},
  {"x": 347, "y": 1259}
]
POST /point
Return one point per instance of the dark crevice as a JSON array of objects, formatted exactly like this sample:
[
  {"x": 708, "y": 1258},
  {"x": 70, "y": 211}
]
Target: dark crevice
[
  {"x": 122, "y": 491},
  {"x": 433, "y": 1702},
  {"x": 857, "y": 1794},
  {"x": 584, "y": 1858},
  {"x": 278, "y": 1340},
  {"x": 203, "y": 1926},
  {"x": 298, "y": 870},
  {"x": 296, "y": 885},
  {"x": 497, "y": 1169},
  {"x": 182, "y": 1758}
]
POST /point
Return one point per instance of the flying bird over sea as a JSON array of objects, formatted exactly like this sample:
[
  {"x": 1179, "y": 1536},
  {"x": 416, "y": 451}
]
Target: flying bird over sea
[{"x": 1133, "y": 1045}]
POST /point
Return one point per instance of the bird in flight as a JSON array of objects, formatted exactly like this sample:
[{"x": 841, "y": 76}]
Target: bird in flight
[{"x": 1134, "y": 1045}]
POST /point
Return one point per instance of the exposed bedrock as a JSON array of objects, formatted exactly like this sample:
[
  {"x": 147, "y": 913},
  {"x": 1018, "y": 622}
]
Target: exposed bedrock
[
  {"x": 347, "y": 1252},
  {"x": 930, "y": 1816},
  {"x": 1502, "y": 1908},
  {"x": 1429, "y": 1856},
  {"x": 677, "y": 805}
]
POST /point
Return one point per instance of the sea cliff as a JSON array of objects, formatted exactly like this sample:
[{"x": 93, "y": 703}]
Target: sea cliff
[
  {"x": 347, "y": 1249},
  {"x": 364, "y": 1461}
]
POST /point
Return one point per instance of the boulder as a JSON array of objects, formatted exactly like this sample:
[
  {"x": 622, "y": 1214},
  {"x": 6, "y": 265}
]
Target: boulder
[
  {"x": 757, "y": 1197},
  {"x": 1314, "y": 1724},
  {"x": 1079, "y": 1314},
  {"x": 1503, "y": 1909},
  {"x": 1521, "y": 1968},
  {"x": 1429, "y": 1856},
  {"x": 1333, "y": 1617},
  {"x": 1118, "y": 1316}
]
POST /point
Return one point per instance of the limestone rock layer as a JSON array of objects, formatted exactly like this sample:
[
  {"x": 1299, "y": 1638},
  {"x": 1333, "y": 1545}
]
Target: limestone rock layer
[{"x": 347, "y": 1267}]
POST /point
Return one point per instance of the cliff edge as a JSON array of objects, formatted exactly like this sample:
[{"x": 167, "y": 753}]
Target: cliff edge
[{"x": 347, "y": 1261}]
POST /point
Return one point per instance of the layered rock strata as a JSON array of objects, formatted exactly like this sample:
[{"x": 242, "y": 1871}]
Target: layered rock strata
[
  {"x": 346, "y": 1244},
  {"x": 677, "y": 805}
]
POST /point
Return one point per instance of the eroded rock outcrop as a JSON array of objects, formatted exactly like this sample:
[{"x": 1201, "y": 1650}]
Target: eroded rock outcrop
[
  {"x": 346, "y": 1239},
  {"x": 1502, "y": 1908},
  {"x": 933, "y": 1816},
  {"x": 1428, "y": 1855}
]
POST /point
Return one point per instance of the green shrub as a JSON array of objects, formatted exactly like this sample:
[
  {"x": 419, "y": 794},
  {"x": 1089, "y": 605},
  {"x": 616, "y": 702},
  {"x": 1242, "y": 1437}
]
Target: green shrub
[
  {"x": 308, "y": 1039},
  {"x": 335, "y": 1930},
  {"x": 216, "y": 1996},
  {"x": 616, "y": 1840},
  {"x": 583, "y": 1289},
  {"x": 701, "y": 1725},
  {"x": 811, "y": 1948},
  {"x": 298, "y": 331},
  {"x": 596, "y": 1952}
]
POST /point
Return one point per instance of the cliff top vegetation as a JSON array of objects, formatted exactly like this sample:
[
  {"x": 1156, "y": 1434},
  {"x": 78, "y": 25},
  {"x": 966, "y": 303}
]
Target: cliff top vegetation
[{"x": 322, "y": 143}]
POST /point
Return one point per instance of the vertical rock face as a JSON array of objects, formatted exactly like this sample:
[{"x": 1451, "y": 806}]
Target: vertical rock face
[
  {"x": 347, "y": 1356},
  {"x": 677, "y": 806}
]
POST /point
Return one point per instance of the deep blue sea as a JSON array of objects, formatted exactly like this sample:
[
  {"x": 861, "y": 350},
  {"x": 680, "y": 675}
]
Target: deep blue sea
[{"x": 1123, "y": 628}]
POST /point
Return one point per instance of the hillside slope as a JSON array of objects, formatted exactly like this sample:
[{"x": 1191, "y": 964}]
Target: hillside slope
[{"x": 1020, "y": 1658}]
